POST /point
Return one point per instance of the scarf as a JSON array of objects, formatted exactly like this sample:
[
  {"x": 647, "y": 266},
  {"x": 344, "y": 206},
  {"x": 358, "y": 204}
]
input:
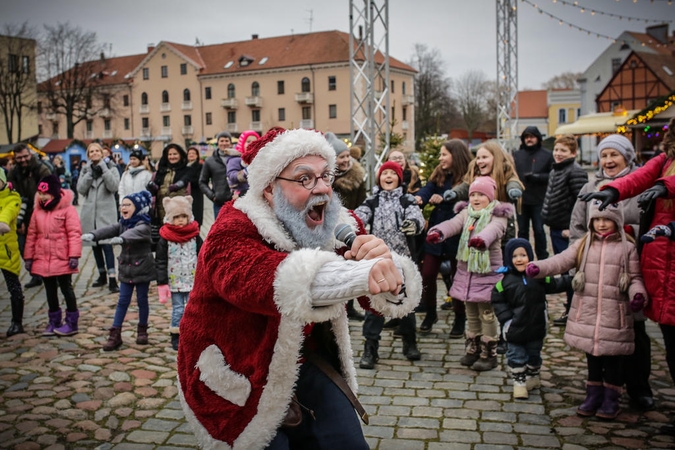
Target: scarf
[
  {"x": 624, "y": 172},
  {"x": 478, "y": 261},
  {"x": 180, "y": 235},
  {"x": 133, "y": 171},
  {"x": 132, "y": 221},
  {"x": 49, "y": 204}
]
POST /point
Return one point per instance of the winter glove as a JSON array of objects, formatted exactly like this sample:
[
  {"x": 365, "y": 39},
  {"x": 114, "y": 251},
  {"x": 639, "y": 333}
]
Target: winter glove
[
  {"x": 408, "y": 227},
  {"x": 477, "y": 243},
  {"x": 659, "y": 230},
  {"x": 532, "y": 270},
  {"x": 176, "y": 186},
  {"x": 164, "y": 293},
  {"x": 515, "y": 194},
  {"x": 29, "y": 264},
  {"x": 449, "y": 195},
  {"x": 103, "y": 164},
  {"x": 4, "y": 228},
  {"x": 73, "y": 262},
  {"x": 116, "y": 241},
  {"x": 434, "y": 237},
  {"x": 532, "y": 177},
  {"x": 152, "y": 188},
  {"x": 87, "y": 237},
  {"x": 638, "y": 303},
  {"x": 654, "y": 192},
  {"x": 606, "y": 196}
]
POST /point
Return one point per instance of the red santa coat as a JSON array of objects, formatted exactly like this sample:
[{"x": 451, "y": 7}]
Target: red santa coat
[
  {"x": 658, "y": 258},
  {"x": 242, "y": 330}
]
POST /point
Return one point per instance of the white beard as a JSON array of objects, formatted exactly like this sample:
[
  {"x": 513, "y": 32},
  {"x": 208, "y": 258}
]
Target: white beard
[{"x": 294, "y": 220}]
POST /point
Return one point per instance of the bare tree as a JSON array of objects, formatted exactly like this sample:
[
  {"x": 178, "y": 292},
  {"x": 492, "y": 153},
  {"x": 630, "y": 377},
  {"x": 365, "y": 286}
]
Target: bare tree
[
  {"x": 566, "y": 80},
  {"x": 73, "y": 69},
  {"x": 17, "y": 77},
  {"x": 470, "y": 91}
]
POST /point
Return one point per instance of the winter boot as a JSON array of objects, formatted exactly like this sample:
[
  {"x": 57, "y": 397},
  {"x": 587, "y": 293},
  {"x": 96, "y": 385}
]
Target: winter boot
[
  {"x": 501, "y": 345},
  {"x": 70, "y": 325},
  {"x": 55, "y": 318},
  {"x": 102, "y": 280},
  {"x": 532, "y": 375},
  {"x": 488, "y": 355},
  {"x": 458, "y": 326},
  {"x": 112, "y": 285},
  {"x": 142, "y": 334},
  {"x": 610, "y": 403},
  {"x": 429, "y": 320},
  {"x": 174, "y": 340},
  {"x": 352, "y": 313},
  {"x": 594, "y": 396},
  {"x": 410, "y": 350},
  {"x": 472, "y": 351},
  {"x": 370, "y": 356},
  {"x": 15, "y": 328},
  {"x": 519, "y": 382},
  {"x": 114, "y": 340},
  {"x": 34, "y": 282}
]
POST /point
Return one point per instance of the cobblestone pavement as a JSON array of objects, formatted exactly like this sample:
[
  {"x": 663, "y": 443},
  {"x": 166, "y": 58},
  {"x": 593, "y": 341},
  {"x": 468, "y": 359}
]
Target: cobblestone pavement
[{"x": 66, "y": 393}]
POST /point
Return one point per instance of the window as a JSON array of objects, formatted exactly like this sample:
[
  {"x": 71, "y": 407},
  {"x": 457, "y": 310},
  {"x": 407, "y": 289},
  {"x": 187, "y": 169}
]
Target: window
[
  {"x": 392, "y": 86},
  {"x": 578, "y": 113},
  {"x": 616, "y": 63},
  {"x": 88, "y": 101},
  {"x": 25, "y": 64},
  {"x": 403, "y": 87},
  {"x": 39, "y": 107},
  {"x": 255, "y": 115},
  {"x": 145, "y": 122},
  {"x": 230, "y": 90},
  {"x": 126, "y": 123},
  {"x": 166, "y": 121},
  {"x": 55, "y": 128},
  {"x": 183, "y": 69},
  {"x": 187, "y": 120},
  {"x": 146, "y": 73},
  {"x": 255, "y": 89},
  {"x": 106, "y": 100},
  {"x": 304, "y": 85},
  {"x": 231, "y": 117},
  {"x": 125, "y": 100},
  {"x": 144, "y": 98},
  {"x": 165, "y": 97},
  {"x": 280, "y": 87},
  {"x": 207, "y": 93},
  {"x": 332, "y": 85},
  {"x": 165, "y": 71},
  {"x": 282, "y": 114},
  {"x": 90, "y": 125},
  {"x": 562, "y": 115},
  {"x": 306, "y": 112},
  {"x": 186, "y": 95},
  {"x": 405, "y": 113},
  {"x": 106, "y": 124},
  {"x": 209, "y": 120},
  {"x": 13, "y": 63},
  {"x": 332, "y": 111}
]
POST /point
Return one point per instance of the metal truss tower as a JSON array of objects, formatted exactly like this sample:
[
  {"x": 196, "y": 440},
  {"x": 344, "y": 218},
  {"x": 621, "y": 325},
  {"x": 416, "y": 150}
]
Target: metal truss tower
[
  {"x": 507, "y": 73},
  {"x": 369, "y": 81}
]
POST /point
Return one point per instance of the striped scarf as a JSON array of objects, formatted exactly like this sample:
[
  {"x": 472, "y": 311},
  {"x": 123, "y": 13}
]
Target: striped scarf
[{"x": 477, "y": 261}]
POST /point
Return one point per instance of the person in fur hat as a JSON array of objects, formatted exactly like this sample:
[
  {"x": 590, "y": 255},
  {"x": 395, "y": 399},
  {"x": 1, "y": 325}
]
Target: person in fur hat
[
  {"x": 176, "y": 258},
  {"x": 608, "y": 288},
  {"x": 481, "y": 224},
  {"x": 266, "y": 325}
]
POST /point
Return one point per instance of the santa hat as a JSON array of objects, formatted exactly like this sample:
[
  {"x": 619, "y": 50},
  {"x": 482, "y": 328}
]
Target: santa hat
[
  {"x": 175, "y": 206},
  {"x": 271, "y": 154},
  {"x": 484, "y": 185},
  {"x": 141, "y": 200},
  {"x": 391, "y": 166},
  {"x": 50, "y": 185}
]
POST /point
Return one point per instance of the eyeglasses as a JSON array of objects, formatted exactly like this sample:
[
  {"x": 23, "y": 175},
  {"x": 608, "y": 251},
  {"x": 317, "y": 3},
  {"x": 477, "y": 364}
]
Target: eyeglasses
[{"x": 309, "y": 180}]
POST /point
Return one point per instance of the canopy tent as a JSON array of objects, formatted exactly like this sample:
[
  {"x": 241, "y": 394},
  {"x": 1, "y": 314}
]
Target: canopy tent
[{"x": 596, "y": 123}]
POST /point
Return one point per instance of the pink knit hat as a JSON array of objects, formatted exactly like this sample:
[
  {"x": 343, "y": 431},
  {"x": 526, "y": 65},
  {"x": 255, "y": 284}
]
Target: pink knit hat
[{"x": 484, "y": 185}]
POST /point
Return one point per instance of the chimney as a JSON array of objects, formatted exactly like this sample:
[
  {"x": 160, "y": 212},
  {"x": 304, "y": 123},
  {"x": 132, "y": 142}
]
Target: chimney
[
  {"x": 151, "y": 47},
  {"x": 659, "y": 32},
  {"x": 254, "y": 36},
  {"x": 102, "y": 56}
]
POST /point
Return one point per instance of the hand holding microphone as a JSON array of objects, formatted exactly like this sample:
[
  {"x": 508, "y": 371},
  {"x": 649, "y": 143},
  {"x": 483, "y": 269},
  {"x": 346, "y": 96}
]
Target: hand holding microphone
[{"x": 361, "y": 247}]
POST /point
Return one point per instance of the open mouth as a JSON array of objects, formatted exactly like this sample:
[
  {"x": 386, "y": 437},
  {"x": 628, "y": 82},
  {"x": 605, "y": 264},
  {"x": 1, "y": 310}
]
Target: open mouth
[
  {"x": 315, "y": 213},
  {"x": 482, "y": 168}
]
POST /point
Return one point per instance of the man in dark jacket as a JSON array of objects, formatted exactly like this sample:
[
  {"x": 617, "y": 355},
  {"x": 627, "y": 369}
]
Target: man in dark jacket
[
  {"x": 29, "y": 169},
  {"x": 215, "y": 171},
  {"x": 533, "y": 164}
]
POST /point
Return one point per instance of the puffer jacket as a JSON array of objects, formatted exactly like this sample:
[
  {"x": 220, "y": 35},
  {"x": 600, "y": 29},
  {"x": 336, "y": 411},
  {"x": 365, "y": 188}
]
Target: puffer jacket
[
  {"x": 136, "y": 264},
  {"x": 215, "y": 171},
  {"x": 477, "y": 287},
  {"x": 533, "y": 166},
  {"x": 600, "y": 321},
  {"x": 441, "y": 212},
  {"x": 565, "y": 181},
  {"x": 134, "y": 179},
  {"x": 54, "y": 237},
  {"x": 99, "y": 208},
  {"x": 10, "y": 258},
  {"x": 351, "y": 186}
]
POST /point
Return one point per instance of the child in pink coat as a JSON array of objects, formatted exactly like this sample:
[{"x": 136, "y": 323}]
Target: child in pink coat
[
  {"x": 482, "y": 223},
  {"x": 53, "y": 249}
]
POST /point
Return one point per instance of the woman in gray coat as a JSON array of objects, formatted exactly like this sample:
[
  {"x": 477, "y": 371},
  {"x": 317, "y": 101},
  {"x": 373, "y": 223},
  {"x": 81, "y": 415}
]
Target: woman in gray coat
[{"x": 97, "y": 184}]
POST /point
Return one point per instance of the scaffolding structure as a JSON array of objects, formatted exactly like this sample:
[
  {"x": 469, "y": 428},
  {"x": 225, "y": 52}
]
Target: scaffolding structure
[
  {"x": 369, "y": 81},
  {"x": 507, "y": 74}
]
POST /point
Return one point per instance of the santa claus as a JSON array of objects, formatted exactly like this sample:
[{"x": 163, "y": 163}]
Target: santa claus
[{"x": 267, "y": 309}]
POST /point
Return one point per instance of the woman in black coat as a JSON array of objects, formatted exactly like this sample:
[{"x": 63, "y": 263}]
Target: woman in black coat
[
  {"x": 171, "y": 179},
  {"x": 195, "y": 165}
]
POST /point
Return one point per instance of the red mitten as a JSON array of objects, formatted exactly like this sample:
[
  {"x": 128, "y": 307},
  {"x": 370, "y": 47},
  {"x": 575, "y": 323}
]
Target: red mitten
[
  {"x": 531, "y": 270},
  {"x": 477, "y": 242},
  {"x": 434, "y": 237}
]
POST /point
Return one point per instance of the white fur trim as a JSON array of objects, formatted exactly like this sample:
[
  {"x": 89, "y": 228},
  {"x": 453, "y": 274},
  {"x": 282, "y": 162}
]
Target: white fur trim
[
  {"x": 413, "y": 289},
  {"x": 204, "y": 439},
  {"x": 220, "y": 378},
  {"x": 340, "y": 328}
]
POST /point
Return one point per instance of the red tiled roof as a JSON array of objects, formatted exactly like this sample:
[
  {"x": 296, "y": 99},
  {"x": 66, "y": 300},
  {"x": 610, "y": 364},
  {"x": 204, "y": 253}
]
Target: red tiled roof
[
  {"x": 658, "y": 63},
  {"x": 60, "y": 145},
  {"x": 113, "y": 70},
  {"x": 532, "y": 104},
  {"x": 648, "y": 41}
]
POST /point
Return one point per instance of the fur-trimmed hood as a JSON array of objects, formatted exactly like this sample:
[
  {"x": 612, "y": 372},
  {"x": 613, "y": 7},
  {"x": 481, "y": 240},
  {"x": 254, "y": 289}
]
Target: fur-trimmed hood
[
  {"x": 351, "y": 179},
  {"x": 65, "y": 201},
  {"x": 501, "y": 209}
]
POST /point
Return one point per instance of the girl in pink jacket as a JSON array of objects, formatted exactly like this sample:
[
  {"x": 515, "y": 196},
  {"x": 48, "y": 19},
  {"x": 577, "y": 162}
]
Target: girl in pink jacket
[
  {"x": 608, "y": 288},
  {"x": 53, "y": 250},
  {"x": 482, "y": 223}
]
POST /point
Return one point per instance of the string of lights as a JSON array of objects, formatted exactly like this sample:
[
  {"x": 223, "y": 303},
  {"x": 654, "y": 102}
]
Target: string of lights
[{"x": 593, "y": 12}]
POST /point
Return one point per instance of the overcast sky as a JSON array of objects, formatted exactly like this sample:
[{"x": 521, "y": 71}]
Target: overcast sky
[{"x": 464, "y": 31}]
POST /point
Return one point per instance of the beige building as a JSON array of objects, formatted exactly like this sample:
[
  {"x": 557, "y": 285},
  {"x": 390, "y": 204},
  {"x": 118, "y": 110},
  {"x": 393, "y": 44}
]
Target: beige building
[{"x": 185, "y": 93}]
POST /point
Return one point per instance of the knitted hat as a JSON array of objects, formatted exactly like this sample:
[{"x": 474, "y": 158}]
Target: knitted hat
[
  {"x": 50, "y": 185},
  {"x": 391, "y": 165},
  {"x": 271, "y": 154},
  {"x": 484, "y": 185},
  {"x": 619, "y": 143},
  {"x": 338, "y": 144},
  {"x": 511, "y": 247},
  {"x": 223, "y": 134},
  {"x": 138, "y": 154},
  {"x": 241, "y": 143},
  {"x": 174, "y": 206},
  {"x": 141, "y": 200}
]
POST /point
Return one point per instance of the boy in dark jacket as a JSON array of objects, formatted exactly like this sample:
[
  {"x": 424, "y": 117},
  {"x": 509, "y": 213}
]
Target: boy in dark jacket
[{"x": 520, "y": 306}]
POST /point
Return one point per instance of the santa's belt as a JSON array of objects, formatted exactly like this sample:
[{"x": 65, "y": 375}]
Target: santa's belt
[{"x": 339, "y": 381}]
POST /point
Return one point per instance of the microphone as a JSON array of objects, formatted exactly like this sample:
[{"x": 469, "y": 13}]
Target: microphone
[{"x": 345, "y": 234}]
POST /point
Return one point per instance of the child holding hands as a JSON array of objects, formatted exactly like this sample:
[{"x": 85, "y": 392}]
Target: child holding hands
[{"x": 482, "y": 223}]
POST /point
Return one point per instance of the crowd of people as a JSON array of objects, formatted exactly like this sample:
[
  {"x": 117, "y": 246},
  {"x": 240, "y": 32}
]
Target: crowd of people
[{"x": 297, "y": 239}]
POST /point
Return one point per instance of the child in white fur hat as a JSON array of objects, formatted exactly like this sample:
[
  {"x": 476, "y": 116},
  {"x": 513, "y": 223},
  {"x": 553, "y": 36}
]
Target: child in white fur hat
[{"x": 176, "y": 258}]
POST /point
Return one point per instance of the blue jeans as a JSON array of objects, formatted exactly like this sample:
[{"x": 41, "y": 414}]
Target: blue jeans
[
  {"x": 99, "y": 252},
  {"x": 532, "y": 213},
  {"x": 178, "y": 302},
  {"x": 126, "y": 289},
  {"x": 519, "y": 355},
  {"x": 216, "y": 210}
]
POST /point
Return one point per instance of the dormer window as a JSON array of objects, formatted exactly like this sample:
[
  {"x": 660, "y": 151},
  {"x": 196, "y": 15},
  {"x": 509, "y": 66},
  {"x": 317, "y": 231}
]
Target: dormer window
[
  {"x": 263, "y": 61},
  {"x": 228, "y": 65},
  {"x": 245, "y": 60}
]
